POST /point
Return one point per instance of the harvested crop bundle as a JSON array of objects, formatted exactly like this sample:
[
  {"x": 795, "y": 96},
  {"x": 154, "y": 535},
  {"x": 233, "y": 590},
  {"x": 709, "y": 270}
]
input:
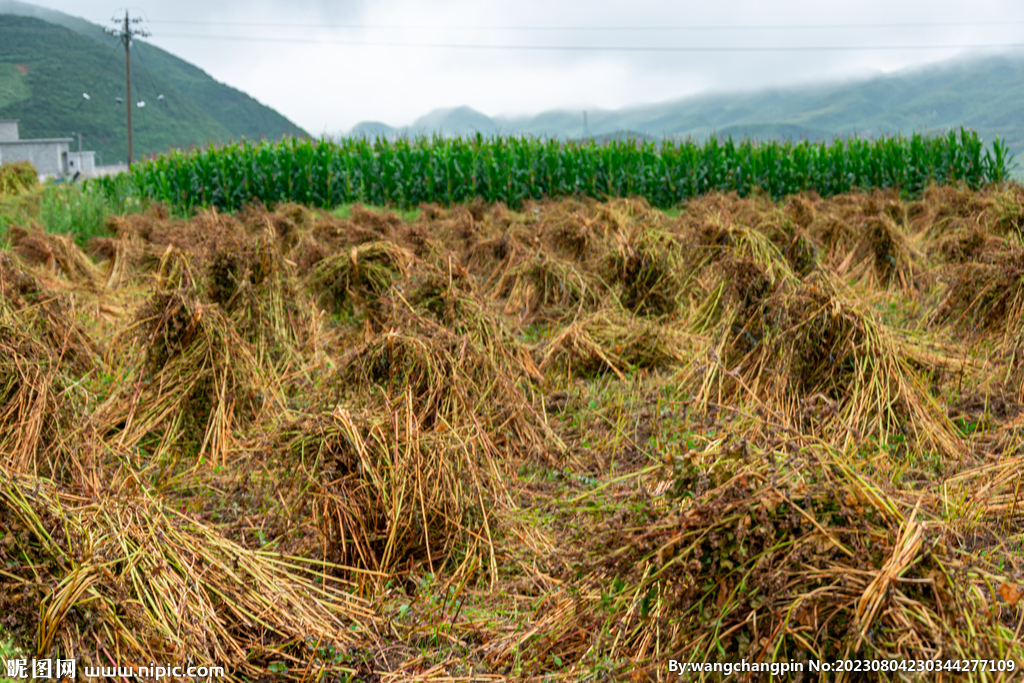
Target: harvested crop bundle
[
  {"x": 359, "y": 276},
  {"x": 784, "y": 347},
  {"x": 649, "y": 265},
  {"x": 986, "y": 295},
  {"x": 55, "y": 253},
  {"x": 605, "y": 342},
  {"x": 388, "y": 489},
  {"x": 44, "y": 354},
  {"x": 195, "y": 381},
  {"x": 760, "y": 538},
  {"x": 564, "y": 440},
  {"x": 548, "y": 288},
  {"x": 17, "y": 177},
  {"x": 121, "y": 556}
]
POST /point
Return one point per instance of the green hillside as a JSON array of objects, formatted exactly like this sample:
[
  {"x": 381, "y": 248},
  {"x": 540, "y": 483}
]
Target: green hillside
[
  {"x": 985, "y": 94},
  {"x": 42, "y": 87},
  {"x": 457, "y": 121}
]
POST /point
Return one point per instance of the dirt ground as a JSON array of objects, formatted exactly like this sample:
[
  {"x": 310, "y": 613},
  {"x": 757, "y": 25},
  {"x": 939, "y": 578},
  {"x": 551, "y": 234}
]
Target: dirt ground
[{"x": 573, "y": 442}]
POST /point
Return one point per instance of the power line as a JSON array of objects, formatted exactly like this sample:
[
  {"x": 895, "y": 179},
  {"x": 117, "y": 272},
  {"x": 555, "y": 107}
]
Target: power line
[
  {"x": 589, "y": 48},
  {"x": 156, "y": 90},
  {"x": 706, "y": 27},
  {"x": 596, "y": 48}
]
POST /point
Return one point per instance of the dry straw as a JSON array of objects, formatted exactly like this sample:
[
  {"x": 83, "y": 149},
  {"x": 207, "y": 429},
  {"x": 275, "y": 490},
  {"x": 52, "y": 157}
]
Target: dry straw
[{"x": 563, "y": 442}]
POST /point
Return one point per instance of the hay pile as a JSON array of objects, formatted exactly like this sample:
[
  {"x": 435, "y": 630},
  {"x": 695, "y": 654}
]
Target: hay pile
[
  {"x": 571, "y": 441},
  {"x": 57, "y": 254},
  {"x": 765, "y": 549},
  {"x": 16, "y": 178},
  {"x": 45, "y": 354},
  {"x": 140, "y": 582}
]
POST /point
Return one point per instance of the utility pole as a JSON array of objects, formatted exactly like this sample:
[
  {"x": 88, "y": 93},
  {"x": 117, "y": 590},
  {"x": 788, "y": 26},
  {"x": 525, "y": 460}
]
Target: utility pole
[{"x": 125, "y": 33}]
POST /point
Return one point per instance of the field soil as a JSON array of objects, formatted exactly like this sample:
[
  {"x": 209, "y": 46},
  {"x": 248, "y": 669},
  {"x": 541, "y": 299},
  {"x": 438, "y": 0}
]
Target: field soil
[{"x": 570, "y": 442}]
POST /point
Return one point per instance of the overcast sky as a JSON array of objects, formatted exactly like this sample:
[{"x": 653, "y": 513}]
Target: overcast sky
[{"x": 291, "y": 55}]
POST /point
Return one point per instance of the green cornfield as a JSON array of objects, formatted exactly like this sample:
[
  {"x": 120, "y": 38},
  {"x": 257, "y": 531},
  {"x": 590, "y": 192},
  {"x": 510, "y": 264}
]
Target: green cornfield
[{"x": 404, "y": 173}]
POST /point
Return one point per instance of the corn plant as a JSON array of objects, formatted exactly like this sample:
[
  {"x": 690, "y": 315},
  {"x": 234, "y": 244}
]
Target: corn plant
[{"x": 404, "y": 173}]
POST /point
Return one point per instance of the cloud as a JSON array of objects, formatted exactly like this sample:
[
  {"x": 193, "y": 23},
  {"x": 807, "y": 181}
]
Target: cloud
[{"x": 328, "y": 87}]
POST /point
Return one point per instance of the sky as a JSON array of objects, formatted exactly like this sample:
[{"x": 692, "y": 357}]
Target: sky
[{"x": 327, "y": 65}]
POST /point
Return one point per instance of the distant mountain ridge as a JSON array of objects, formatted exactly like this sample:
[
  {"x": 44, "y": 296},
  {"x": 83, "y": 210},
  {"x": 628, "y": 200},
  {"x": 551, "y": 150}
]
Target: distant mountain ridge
[
  {"x": 48, "y": 59},
  {"x": 986, "y": 94}
]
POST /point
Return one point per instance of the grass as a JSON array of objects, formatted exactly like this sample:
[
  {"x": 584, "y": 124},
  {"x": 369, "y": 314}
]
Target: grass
[
  {"x": 8, "y": 650},
  {"x": 569, "y": 442},
  {"x": 345, "y": 211},
  {"x": 76, "y": 210},
  {"x": 19, "y": 196}
]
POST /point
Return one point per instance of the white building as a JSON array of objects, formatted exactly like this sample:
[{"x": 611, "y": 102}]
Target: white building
[
  {"x": 49, "y": 156},
  {"x": 81, "y": 162}
]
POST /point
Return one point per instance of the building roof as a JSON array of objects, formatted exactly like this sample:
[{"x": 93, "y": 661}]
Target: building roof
[{"x": 32, "y": 141}]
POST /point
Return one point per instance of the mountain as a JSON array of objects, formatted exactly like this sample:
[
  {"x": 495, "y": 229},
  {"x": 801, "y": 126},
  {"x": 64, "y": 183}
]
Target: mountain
[
  {"x": 373, "y": 129},
  {"x": 986, "y": 94},
  {"x": 49, "y": 59},
  {"x": 457, "y": 121}
]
